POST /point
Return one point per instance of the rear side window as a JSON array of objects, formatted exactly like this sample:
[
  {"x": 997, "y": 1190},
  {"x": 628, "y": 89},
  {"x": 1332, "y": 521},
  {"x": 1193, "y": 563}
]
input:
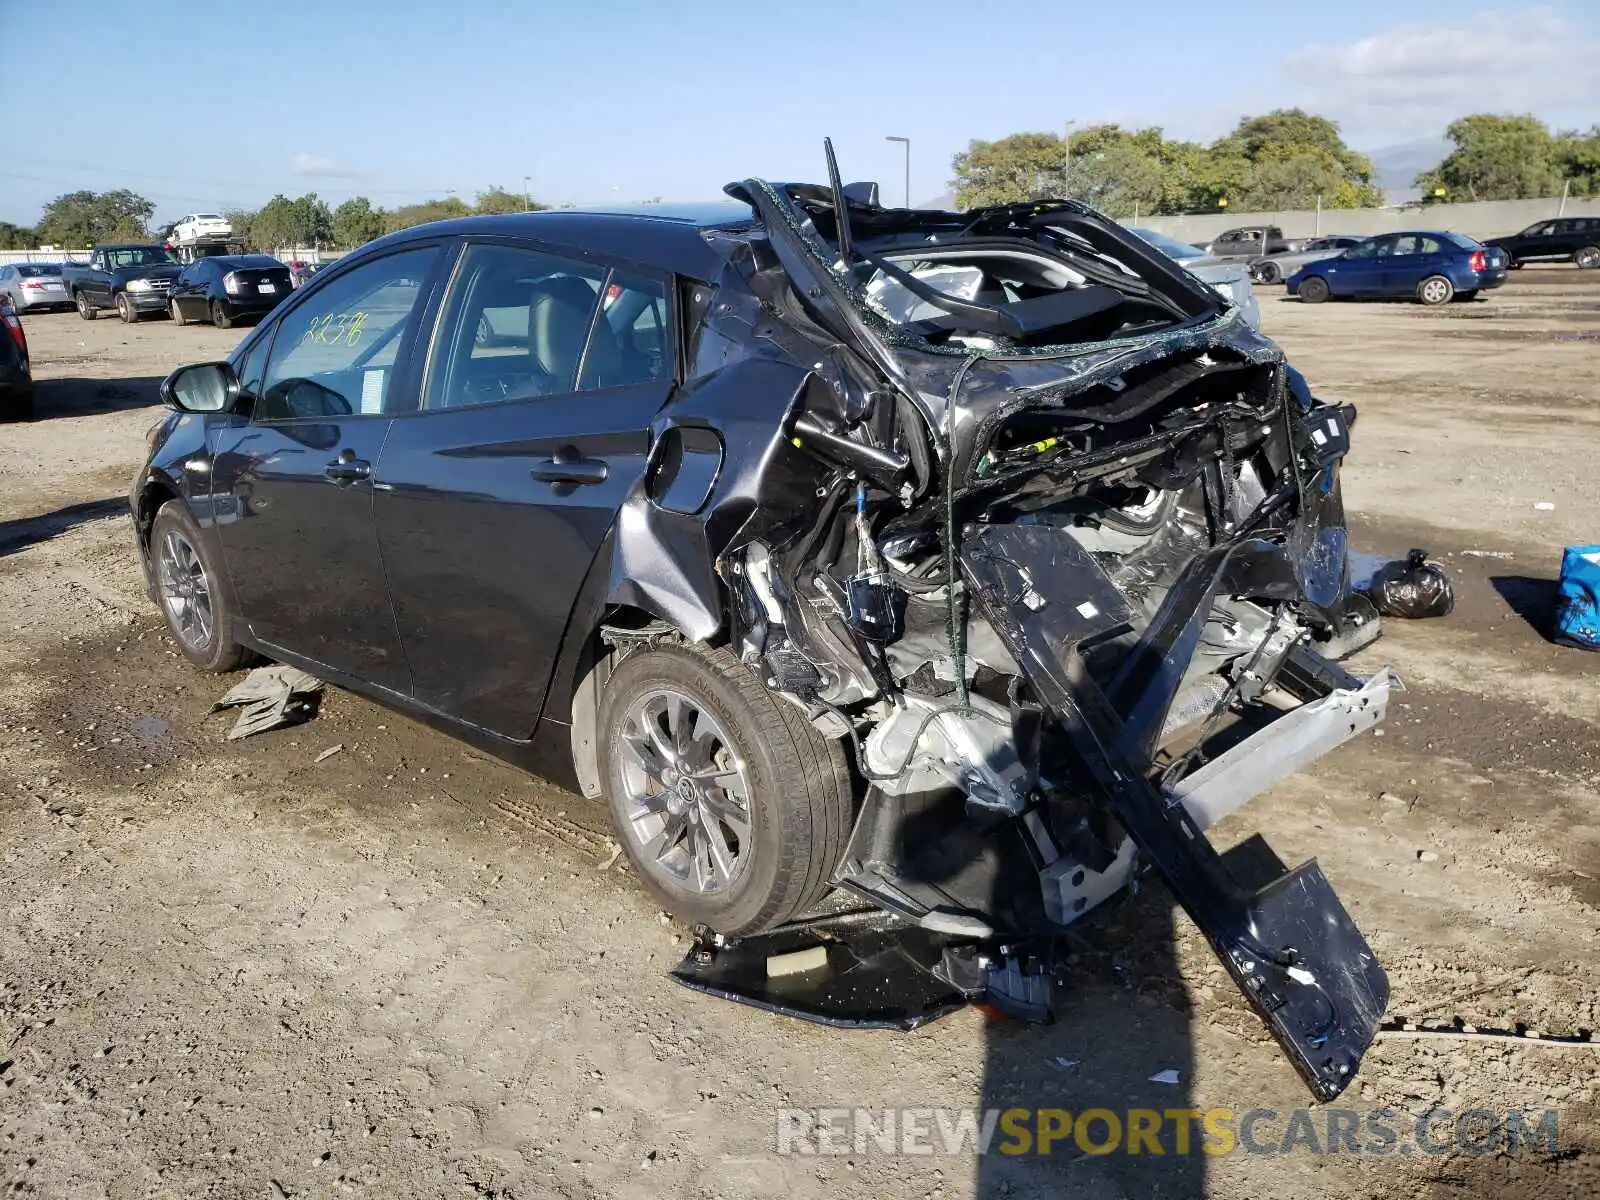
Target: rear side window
[
  {"x": 522, "y": 323},
  {"x": 631, "y": 341},
  {"x": 334, "y": 355}
]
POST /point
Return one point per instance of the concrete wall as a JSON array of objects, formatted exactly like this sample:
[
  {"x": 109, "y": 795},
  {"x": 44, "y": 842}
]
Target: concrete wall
[{"x": 1487, "y": 219}]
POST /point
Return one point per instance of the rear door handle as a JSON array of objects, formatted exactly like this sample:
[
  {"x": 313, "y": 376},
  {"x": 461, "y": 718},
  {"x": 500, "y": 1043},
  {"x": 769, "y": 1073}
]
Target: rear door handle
[
  {"x": 344, "y": 470},
  {"x": 568, "y": 467}
]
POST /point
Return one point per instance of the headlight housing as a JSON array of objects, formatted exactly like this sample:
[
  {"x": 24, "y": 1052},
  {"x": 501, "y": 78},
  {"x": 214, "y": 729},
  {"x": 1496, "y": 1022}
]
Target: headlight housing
[{"x": 138, "y": 285}]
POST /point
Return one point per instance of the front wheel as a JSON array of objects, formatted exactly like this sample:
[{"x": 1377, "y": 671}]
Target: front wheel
[
  {"x": 125, "y": 309},
  {"x": 1269, "y": 272},
  {"x": 732, "y": 809},
  {"x": 86, "y": 310},
  {"x": 192, "y": 601},
  {"x": 1435, "y": 289},
  {"x": 1587, "y": 258},
  {"x": 1314, "y": 290}
]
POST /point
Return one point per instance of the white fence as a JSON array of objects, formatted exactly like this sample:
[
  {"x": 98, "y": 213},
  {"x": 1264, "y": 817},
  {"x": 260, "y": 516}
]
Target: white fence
[{"x": 297, "y": 254}]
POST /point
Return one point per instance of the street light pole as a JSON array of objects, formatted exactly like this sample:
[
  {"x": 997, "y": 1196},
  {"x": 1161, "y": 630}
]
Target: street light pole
[
  {"x": 1066, "y": 178},
  {"x": 907, "y": 143},
  {"x": 527, "y": 195}
]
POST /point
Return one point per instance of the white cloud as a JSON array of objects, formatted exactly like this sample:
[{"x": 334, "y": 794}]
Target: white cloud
[
  {"x": 1419, "y": 77},
  {"x": 316, "y": 164}
]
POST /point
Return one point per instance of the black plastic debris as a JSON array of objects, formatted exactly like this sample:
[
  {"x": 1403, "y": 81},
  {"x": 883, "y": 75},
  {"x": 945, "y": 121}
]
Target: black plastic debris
[{"x": 1412, "y": 588}]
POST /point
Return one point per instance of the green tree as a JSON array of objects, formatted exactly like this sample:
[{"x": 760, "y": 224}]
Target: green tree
[
  {"x": 286, "y": 224},
  {"x": 498, "y": 200},
  {"x": 1120, "y": 180},
  {"x": 80, "y": 219},
  {"x": 1496, "y": 158},
  {"x": 1024, "y": 166},
  {"x": 421, "y": 214},
  {"x": 356, "y": 221},
  {"x": 1577, "y": 158},
  {"x": 1287, "y": 158},
  {"x": 17, "y": 237}
]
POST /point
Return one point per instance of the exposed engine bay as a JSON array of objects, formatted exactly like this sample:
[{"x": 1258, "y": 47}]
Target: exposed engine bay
[{"x": 1053, "y": 540}]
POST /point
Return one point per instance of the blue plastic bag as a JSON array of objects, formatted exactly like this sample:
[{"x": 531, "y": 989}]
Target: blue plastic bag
[{"x": 1578, "y": 598}]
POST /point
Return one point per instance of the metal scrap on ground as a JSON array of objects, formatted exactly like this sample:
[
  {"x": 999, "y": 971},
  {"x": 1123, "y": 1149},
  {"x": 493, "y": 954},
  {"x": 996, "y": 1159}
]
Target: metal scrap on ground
[{"x": 271, "y": 697}]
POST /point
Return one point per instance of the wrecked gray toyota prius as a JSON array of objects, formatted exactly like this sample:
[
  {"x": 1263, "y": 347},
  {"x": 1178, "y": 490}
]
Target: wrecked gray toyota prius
[
  {"x": 970, "y": 567},
  {"x": 1053, "y": 540}
]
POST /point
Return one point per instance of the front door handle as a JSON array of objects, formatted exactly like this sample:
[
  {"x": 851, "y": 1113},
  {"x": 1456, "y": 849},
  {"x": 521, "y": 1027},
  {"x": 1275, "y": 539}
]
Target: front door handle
[
  {"x": 568, "y": 467},
  {"x": 347, "y": 468}
]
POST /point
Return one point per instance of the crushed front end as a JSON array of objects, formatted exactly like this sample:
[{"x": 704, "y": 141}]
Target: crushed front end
[{"x": 1054, "y": 539}]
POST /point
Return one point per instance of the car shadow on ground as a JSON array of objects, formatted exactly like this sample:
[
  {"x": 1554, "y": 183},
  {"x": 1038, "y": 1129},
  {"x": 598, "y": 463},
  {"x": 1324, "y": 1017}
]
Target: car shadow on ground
[
  {"x": 1534, "y": 600},
  {"x": 20, "y": 534},
  {"x": 74, "y": 397}
]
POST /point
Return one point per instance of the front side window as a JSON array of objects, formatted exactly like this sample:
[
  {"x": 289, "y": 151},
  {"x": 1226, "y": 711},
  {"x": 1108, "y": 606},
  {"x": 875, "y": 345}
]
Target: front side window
[
  {"x": 334, "y": 355},
  {"x": 1368, "y": 249}
]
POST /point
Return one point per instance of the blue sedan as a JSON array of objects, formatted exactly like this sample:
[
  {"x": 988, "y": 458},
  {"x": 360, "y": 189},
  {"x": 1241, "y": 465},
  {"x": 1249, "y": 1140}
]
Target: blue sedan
[{"x": 1430, "y": 266}]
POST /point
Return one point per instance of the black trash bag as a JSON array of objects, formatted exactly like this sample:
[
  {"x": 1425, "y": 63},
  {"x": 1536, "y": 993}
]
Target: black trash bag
[{"x": 1411, "y": 588}]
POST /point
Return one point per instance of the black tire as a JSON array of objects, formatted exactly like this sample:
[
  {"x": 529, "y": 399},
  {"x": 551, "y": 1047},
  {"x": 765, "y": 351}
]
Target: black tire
[
  {"x": 1435, "y": 290},
  {"x": 126, "y": 309},
  {"x": 220, "y": 316},
  {"x": 796, "y": 783},
  {"x": 86, "y": 308},
  {"x": 220, "y": 650},
  {"x": 177, "y": 313},
  {"x": 1269, "y": 272},
  {"x": 1586, "y": 258},
  {"x": 1313, "y": 290}
]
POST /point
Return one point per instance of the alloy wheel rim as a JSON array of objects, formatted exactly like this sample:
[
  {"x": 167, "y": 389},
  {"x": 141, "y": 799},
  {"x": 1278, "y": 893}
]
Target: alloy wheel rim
[
  {"x": 1433, "y": 290},
  {"x": 1588, "y": 259},
  {"x": 685, "y": 792},
  {"x": 185, "y": 590}
]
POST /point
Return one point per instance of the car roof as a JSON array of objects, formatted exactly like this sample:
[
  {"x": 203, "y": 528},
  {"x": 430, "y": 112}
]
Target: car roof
[
  {"x": 240, "y": 260},
  {"x": 669, "y": 237}
]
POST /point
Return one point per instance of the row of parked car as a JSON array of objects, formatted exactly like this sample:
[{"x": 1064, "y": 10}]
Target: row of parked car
[
  {"x": 1433, "y": 266},
  {"x": 222, "y": 284}
]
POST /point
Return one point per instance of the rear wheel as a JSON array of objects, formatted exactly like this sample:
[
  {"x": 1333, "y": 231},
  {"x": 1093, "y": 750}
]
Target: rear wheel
[
  {"x": 220, "y": 316},
  {"x": 1587, "y": 258},
  {"x": 187, "y": 583},
  {"x": 125, "y": 309},
  {"x": 732, "y": 809},
  {"x": 1313, "y": 290},
  {"x": 1269, "y": 272},
  {"x": 1435, "y": 289},
  {"x": 86, "y": 310}
]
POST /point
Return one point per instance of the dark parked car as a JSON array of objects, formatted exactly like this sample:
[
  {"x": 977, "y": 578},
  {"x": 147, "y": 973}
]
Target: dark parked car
[
  {"x": 1252, "y": 241},
  {"x": 667, "y": 505},
  {"x": 1434, "y": 267},
  {"x": 34, "y": 286},
  {"x": 133, "y": 279},
  {"x": 16, "y": 378},
  {"x": 1563, "y": 239},
  {"x": 223, "y": 289}
]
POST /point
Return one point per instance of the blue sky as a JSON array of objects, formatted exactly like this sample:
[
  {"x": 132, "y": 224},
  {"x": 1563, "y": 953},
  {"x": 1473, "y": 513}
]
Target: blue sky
[{"x": 599, "y": 100}]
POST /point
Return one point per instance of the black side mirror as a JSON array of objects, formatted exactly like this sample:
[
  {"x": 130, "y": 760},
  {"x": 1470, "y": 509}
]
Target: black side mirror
[
  {"x": 862, "y": 193},
  {"x": 201, "y": 388}
]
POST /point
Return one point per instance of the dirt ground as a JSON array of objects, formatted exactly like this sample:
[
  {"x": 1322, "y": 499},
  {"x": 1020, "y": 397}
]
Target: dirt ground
[{"x": 230, "y": 970}]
